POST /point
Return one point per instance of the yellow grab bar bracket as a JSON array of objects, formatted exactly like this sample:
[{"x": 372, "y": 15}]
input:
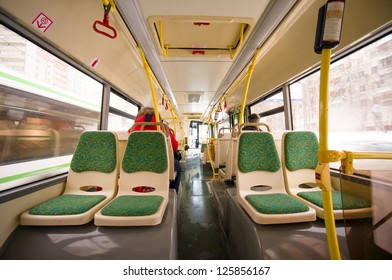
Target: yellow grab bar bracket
[
  {"x": 347, "y": 163},
  {"x": 329, "y": 156}
]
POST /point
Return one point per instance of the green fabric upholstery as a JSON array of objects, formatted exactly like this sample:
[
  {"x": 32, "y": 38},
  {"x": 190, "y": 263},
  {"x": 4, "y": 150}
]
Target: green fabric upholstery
[
  {"x": 339, "y": 200},
  {"x": 257, "y": 151},
  {"x": 203, "y": 147},
  {"x": 145, "y": 151},
  {"x": 130, "y": 205},
  {"x": 300, "y": 149},
  {"x": 276, "y": 203},
  {"x": 67, "y": 204},
  {"x": 95, "y": 151}
]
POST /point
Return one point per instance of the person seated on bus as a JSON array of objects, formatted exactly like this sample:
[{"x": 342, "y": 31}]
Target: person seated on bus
[
  {"x": 147, "y": 114},
  {"x": 252, "y": 118}
]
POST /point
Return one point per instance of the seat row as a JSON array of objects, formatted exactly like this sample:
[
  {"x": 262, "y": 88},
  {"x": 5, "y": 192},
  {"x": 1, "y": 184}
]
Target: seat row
[
  {"x": 276, "y": 187},
  {"x": 133, "y": 193}
]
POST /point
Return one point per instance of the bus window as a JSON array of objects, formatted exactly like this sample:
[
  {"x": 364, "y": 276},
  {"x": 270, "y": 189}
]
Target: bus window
[
  {"x": 360, "y": 100},
  {"x": 271, "y": 111},
  {"x": 45, "y": 104},
  {"x": 122, "y": 113},
  {"x": 198, "y": 133}
]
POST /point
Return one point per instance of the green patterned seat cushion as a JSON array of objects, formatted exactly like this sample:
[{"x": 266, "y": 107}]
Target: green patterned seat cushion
[
  {"x": 131, "y": 205},
  {"x": 257, "y": 151},
  {"x": 145, "y": 151},
  {"x": 300, "y": 150},
  {"x": 95, "y": 151},
  {"x": 67, "y": 204},
  {"x": 276, "y": 203},
  {"x": 203, "y": 147},
  {"x": 349, "y": 201}
]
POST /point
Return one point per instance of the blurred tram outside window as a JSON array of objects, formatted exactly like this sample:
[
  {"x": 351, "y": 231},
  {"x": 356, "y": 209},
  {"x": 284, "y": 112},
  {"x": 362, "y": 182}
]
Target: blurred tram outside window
[{"x": 45, "y": 104}]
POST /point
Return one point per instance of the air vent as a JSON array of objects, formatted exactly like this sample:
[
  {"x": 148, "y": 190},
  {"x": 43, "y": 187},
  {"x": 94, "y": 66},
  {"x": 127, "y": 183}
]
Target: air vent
[{"x": 194, "y": 97}]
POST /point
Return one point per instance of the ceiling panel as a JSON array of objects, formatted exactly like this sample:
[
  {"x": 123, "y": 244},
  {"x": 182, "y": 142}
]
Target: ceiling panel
[
  {"x": 195, "y": 75},
  {"x": 174, "y": 26},
  {"x": 229, "y": 8}
]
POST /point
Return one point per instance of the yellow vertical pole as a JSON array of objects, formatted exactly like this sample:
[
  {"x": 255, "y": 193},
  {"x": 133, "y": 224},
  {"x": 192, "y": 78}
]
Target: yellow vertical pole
[
  {"x": 148, "y": 72},
  {"x": 323, "y": 176},
  {"x": 244, "y": 96},
  {"x": 173, "y": 120}
]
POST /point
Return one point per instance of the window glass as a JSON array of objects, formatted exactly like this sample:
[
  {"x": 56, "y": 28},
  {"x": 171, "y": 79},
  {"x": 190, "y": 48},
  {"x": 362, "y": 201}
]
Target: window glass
[
  {"x": 304, "y": 96},
  {"x": 276, "y": 122},
  {"x": 122, "y": 104},
  {"x": 117, "y": 122},
  {"x": 45, "y": 104},
  {"x": 360, "y": 100},
  {"x": 122, "y": 113},
  {"x": 272, "y": 102},
  {"x": 274, "y": 119},
  {"x": 224, "y": 124},
  {"x": 204, "y": 133}
]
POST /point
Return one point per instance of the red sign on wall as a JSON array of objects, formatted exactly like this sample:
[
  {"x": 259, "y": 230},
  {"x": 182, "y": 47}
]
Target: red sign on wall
[
  {"x": 42, "y": 22},
  {"x": 95, "y": 62}
]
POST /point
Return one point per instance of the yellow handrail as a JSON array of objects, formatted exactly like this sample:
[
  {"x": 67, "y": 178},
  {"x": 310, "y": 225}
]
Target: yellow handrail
[
  {"x": 173, "y": 120},
  {"x": 164, "y": 47},
  {"x": 240, "y": 42},
  {"x": 226, "y": 95},
  {"x": 148, "y": 72},
  {"x": 156, "y": 83},
  {"x": 323, "y": 176},
  {"x": 347, "y": 159},
  {"x": 250, "y": 71}
]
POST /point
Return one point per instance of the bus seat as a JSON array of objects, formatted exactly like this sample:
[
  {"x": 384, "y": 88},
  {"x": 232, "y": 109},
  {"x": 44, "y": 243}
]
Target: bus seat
[
  {"x": 122, "y": 142},
  {"x": 277, "y": 135},
  {"x": 144, "y": 183},
  {"x": 260, "y": 187},
  {"x": 222, "y": 146},
  {"x": 172, "y": 173},
  {"x": 229, "y": 171},
  {"x": 122, "y": 136},
  {"x": 203, "y": 152},
  {"x": 207, "y": 149},
  {"x": 299, "y": 160},
  {"x": 91, "y": 183}
]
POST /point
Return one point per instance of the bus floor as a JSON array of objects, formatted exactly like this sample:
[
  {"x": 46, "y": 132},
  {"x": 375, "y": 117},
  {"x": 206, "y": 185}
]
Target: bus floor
[{"x": 200, "y": 235}]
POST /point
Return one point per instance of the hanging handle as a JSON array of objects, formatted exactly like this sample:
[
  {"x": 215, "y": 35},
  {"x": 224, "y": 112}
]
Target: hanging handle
[{"x": 107, "y": 30}]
